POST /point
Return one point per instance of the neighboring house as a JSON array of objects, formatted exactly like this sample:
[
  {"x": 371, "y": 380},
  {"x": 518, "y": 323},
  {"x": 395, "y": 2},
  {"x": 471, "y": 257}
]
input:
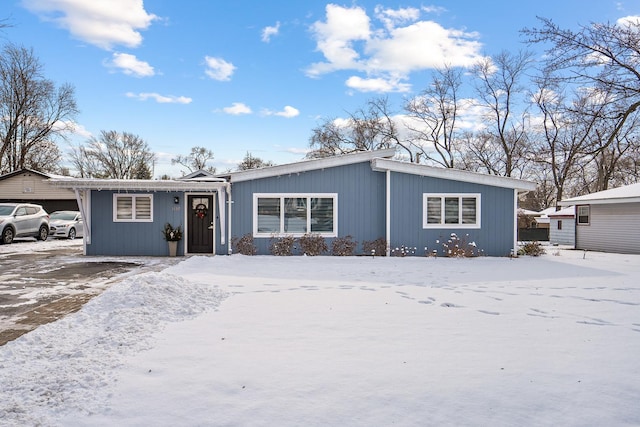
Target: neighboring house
[
  {"x": 562, "y": 226},
  {"x": 29, "y": 186},
  {"x": 365, "y": 195},
  {"x": 609, "y": 220}
]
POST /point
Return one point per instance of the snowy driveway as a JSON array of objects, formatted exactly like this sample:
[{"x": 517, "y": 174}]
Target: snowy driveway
[{"x": 43, "y": 281}]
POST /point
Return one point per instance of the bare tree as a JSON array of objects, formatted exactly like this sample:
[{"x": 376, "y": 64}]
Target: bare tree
[
  {"x": 370, "y": 128},
  {"x": 114, "y": 155},
  {"x": 33, "y": 112},
  {"x": 196, "y": 160},
  {"x": 500, "y": 89},
  {"x": 432, "y": 118},
  {"x": 604, "y": 57},
  {"x": 567, "y": 131},
  {"x": 252, "y": 162}
]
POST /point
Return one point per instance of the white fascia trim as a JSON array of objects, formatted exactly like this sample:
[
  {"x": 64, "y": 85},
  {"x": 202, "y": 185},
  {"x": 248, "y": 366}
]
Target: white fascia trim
[
  {"x": 138, "y": 184},
  {"x": 383, "y": 165},
  {"x": 587, "y": 201},
  {"x": 309, "y": 165}
]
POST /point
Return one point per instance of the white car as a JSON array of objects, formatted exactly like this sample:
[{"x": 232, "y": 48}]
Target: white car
[
  {"x": 22, "y": 220},
  {"x": 66, "y": 224}
]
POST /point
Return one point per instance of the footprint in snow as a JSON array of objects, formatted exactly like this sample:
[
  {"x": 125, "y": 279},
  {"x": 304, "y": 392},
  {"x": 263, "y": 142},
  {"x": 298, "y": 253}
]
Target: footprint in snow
[
  {"x": 495, "y": 313},
  {"x": 449, "y": 304}
]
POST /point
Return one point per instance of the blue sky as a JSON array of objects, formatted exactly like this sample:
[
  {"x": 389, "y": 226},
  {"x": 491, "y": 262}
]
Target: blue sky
[{"x": 257, "y": 76}]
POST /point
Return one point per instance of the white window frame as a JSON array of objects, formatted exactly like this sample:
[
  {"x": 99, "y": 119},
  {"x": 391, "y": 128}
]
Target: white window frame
[
  {"x": 283, "y": 196},
  {"x": 588, "y": 215},
  {"x": 459, "y": 196},
  {"x": 134, "y": 198}
]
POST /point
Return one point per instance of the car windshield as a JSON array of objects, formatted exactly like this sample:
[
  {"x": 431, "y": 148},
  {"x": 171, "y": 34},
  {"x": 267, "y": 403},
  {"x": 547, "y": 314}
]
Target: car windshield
[
  {"x": 6, "y": 210},
  {"x": 65, "y": 216}
]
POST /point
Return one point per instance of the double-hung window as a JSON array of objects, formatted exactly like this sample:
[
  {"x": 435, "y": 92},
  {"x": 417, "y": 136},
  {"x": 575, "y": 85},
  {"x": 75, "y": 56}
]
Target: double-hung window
[
  {"x": 132, "y": 207},
  {"x": 583, "y": 215},
  {"x": 451, "y": 210},
  {"x": 295, "y": 214}
]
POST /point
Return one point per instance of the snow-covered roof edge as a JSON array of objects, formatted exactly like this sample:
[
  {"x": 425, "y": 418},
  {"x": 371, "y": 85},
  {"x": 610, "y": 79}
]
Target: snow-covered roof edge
[
  {"x": 451, "y": 174},
  {"x": 625, "y": 194},
  {"x": 309, "y": 165},
  {"x": 569, "y": 211},
  {"x": 137, "y": 184}
]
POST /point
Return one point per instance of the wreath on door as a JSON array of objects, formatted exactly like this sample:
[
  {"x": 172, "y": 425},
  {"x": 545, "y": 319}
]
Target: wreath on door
[{"x": 201, "y": 210}]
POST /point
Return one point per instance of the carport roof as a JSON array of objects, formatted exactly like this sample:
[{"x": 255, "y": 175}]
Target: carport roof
[{"x": 207, "y": 185}]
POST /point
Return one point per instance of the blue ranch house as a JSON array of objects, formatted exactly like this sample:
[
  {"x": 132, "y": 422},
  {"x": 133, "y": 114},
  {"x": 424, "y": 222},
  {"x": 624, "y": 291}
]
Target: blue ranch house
[{"x": 366, "y": 195}]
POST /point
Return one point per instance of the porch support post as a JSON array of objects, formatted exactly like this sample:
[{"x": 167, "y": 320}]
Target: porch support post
[{"x": 84, "y": 206}]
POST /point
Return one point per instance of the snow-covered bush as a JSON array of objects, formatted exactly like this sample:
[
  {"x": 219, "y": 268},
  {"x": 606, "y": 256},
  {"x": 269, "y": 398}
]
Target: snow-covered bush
[
  {"x": 403, "y": 251},
  {"x": 313, "y": 244},
  {"x": 282, "y": 246},
  {"x": 375, "y": 247},
  {"x": 532, "y": 249},
  {"x": 343, "y": 246},
  {"x": 244, "y": 245},
  {"x": 458, "y": 247}
]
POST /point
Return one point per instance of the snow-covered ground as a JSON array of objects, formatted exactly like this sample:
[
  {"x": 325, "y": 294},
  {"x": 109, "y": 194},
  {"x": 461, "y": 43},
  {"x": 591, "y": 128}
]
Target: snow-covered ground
[{"x": 329, "y": 341}]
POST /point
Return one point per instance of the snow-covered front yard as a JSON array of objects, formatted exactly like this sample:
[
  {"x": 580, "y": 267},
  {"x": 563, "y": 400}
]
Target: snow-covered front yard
[{"x": 328, "y": 341}]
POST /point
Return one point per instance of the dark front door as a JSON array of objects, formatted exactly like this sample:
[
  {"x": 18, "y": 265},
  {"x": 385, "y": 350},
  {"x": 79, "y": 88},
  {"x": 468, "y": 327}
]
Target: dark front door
[{"x": 200, "y": 224}]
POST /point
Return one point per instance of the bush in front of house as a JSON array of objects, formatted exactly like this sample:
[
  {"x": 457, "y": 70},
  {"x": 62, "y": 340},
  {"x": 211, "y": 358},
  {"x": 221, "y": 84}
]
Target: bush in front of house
[
  {"x": 244, "y": 245},
  {"x": 282, "y": 246},
  {"x": 343, "y": 246},
  {"x": 313, "y": 244},
  {"x": 532, "y": 249},
  {"x": 375, "y": 247},
  {"x": 459, "y": 247},
  {"x": 403, "y": 251}
]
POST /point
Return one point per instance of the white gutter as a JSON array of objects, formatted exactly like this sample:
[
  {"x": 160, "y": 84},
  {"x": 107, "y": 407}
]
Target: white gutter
[
  {"x": 230, "y": 202},
  {"x": 388, "y": 219},
  {"x": 514, "y": 250},
  {"x": 222, "y": 203}
]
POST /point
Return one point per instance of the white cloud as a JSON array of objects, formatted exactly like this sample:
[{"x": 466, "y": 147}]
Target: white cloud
[
  {"x": 336, "y": 36},
  {"x": 131, "y": 65},
  {"x": 101, "y": 23},
  {"x": 377, "y": 85},
  {"x": 388, "y": 52},
  {"x": 288, "y": 112},
  {"x": 629, "y": 21},
  {"x": 219, "y": 69},
  {"x": 237, "y": 108},
  {"x": 269, "y": 32},
  {"x": 392, "y": 17},
  {"x": 160, "y": 99}
]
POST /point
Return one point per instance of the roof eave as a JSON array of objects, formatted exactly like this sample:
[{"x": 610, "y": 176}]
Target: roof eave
[
  {"x": 309, "y": 165},
  {"x": 607, "y": 201},
  {"x": 382, "y": 165}
]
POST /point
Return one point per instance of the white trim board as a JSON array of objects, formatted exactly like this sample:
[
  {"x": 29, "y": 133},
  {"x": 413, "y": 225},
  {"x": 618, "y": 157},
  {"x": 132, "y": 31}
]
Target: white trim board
[
  {"x": 383, "y": 165},
  {"x": 309, "y": 165}
]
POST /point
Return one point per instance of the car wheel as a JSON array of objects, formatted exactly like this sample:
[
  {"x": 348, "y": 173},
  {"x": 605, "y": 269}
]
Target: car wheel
[
  {"x": 7, "y": 236},
  {"x": 43, "y": 233},
  {"x": 72, "y": 234}
]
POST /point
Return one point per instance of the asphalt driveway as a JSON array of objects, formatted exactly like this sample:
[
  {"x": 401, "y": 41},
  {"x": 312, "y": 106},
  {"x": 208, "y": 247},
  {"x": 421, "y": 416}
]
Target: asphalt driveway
[{"x": 41, "y": 282}]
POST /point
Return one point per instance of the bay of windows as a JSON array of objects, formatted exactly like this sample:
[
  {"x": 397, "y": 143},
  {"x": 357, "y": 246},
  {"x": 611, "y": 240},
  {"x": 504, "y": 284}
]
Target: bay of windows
[{"x": 295, "y": 214}]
